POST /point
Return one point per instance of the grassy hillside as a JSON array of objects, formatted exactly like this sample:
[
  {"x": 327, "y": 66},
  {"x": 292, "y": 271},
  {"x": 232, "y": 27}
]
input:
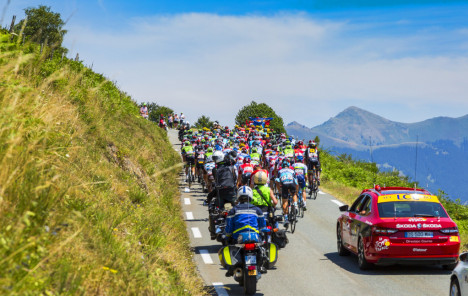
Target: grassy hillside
[
  {"x": 88, "y": 200},
  {"x": 345, "y": 178}
]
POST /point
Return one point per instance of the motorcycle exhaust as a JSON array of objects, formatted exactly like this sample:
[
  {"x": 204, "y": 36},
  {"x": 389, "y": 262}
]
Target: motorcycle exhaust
[{"x": 238, "y": 274}]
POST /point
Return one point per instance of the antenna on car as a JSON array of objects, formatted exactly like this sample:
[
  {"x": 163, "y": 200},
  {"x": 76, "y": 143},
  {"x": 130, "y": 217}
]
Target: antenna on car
[{"x": 416, "y": 162}]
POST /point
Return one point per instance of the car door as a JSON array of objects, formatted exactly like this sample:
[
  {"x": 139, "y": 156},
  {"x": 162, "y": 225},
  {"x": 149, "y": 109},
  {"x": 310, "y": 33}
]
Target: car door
[
  {"x": 348, "y": 220},
  {"x": 359, "y": 225},
  {"x": 356, "y": 221}
]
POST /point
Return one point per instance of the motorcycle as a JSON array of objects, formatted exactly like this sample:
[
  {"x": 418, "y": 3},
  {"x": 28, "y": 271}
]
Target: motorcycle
[
  {"x": 246, "y": 259},
  {"x": 217, "y": 221}
]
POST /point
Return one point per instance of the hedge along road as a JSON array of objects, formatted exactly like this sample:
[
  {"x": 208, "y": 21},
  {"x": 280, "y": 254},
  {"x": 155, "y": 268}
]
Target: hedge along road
[{"x": 309, "y": 264}]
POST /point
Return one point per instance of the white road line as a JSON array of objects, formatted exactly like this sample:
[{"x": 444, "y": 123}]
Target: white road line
[
  {"x": 187, "y": 201},
  {"x": 189, "y": 216},
  {"x": 206, "y": 256},
  {"x": 219, "y": 287},
  {"x": 196, "y": 232},
  {"x": 321, "y": 192},
  {"x": 337, "y": 202}
]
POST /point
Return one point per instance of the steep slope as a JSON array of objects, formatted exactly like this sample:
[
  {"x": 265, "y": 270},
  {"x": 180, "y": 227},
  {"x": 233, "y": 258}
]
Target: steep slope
[{"x": 88, "y": 193}]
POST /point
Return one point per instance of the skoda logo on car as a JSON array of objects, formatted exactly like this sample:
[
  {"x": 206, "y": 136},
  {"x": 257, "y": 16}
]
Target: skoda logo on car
[{"x": 419, "y": 225}]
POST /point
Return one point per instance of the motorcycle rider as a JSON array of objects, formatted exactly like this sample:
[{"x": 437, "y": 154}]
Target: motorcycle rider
[{"x": 244, "y": 217}]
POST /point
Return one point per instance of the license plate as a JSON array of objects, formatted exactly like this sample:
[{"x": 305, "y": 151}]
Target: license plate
[
  {"x": 419, "y": 234},
  {"x": 251, "y": 260},
  {"x": 253, "y": 272}
]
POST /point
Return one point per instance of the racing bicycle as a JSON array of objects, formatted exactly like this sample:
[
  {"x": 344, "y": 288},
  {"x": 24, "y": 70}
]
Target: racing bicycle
[
  {"x": 313, "y": 189},
  {"x": 300, "y": 203},
  {"x": 292, "y": 213}
]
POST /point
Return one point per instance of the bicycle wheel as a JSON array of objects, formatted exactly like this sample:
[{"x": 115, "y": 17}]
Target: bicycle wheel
[
  {"x": 190, "y": 177},
  {"x": 292, "y": 218},
  {"x": 313, "y": 189}
]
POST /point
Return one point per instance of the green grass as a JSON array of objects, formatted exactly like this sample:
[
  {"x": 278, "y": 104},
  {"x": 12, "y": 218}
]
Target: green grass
[
  {"x": 83, "y": 210},
  {"x": 345, "y": 178}
]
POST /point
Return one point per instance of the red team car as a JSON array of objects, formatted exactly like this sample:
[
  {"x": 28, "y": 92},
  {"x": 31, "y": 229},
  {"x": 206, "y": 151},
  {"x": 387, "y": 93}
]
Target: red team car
[{"x": 394, "y": 225}]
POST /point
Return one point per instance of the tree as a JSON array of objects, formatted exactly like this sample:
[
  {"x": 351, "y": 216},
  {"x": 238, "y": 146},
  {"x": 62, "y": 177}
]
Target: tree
[
  {"x": 260, "y": 110},
  {"x": 317, "y": 140},
  {"x": 155, "y": 110},
  {"x": 203, "y": 121},
  {"x": 43, "y": 26}
]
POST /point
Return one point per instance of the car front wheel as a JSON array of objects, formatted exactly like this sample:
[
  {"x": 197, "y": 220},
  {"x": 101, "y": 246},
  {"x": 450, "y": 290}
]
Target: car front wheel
[{"x": 342, "y": 251}]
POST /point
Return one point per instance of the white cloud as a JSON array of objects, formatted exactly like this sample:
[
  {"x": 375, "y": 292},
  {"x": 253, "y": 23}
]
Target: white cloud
[{"x": 307, "y": 70}]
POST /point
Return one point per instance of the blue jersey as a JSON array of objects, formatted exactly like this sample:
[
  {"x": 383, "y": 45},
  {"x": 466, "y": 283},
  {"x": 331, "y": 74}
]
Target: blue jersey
[{"x": 286, "y": 176}]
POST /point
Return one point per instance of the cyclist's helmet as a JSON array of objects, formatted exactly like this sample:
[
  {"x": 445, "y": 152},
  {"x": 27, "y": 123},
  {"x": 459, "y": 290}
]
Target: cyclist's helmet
[
  {"x": 209, "y": 159},
  {"x": 299, "y": 158},
  {"x": 187, "y": 143},
  {"x": 254, "y": 150},
  {"x": 209, "y": 149},
  {"x": 247, "y": 159},
  {"x": 245, "y": 194},
  {"x": 313, "y": 144},
  {"x": 285, "y": 163}
]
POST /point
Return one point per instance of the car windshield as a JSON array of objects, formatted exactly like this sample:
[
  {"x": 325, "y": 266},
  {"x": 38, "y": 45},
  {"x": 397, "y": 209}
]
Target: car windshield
[{"x": 411, "y": 209}]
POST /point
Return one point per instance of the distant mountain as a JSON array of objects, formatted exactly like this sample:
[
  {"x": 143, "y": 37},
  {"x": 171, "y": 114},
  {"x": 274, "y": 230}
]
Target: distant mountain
[
  {"x": 442, "y": 143},
  {"x": 355, "y": 127}
]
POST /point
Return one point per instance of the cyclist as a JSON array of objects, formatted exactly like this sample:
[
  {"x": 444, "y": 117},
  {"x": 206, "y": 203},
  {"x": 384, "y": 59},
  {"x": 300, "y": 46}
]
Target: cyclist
[
  {"x": 144, "y": 111},
  {"x": 301, "y": 174},
  {"x": 256, "y": 157},
  {"x": 312, "y": 156},
  {"x": 289, "y": 152},
  {"x": 245, "y": 171},
  {"x": 189, "y": 157},
  {"x": 208, "y": 172},
  {"x": 287, "y": 181},
  {"x": 200, "y": 157}
]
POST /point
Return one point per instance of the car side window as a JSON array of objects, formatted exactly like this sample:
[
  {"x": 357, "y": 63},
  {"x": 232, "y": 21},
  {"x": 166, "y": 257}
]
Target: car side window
[
  {"x": 365, "y": 207},
  {"x": 356, "y": 203}
]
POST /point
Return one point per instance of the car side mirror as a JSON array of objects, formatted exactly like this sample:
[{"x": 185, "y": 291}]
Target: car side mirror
[
  {"x": 344, "y": 208},
  {"x": 463, "y": 256}
]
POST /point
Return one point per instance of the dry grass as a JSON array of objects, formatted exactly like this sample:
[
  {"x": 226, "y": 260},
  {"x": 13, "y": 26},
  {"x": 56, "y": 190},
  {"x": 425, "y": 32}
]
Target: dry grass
[{"x": 74, "y": 218}]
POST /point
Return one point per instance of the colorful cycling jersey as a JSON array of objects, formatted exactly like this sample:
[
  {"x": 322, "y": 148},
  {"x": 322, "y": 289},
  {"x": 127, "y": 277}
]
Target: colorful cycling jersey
[
  {"x": 286, "y": 176},
  {"x": 246, "y": 168},
  {"x": 209, "y": 167},
  {"x": 300, "y": 168},
  {"x": 188, "y": 150},
  {"x": 255, "y": 157},
  {"x": 313, "y": 154},
  {"x": 289, "y": 153}
]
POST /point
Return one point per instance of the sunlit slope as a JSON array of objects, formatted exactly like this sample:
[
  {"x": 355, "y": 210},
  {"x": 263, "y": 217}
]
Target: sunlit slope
[{"x": 88, "y": 202}]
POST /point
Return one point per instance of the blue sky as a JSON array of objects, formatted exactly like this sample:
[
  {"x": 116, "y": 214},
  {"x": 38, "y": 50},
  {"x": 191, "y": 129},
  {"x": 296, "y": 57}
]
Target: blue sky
[{"x": 309, "y": 60}]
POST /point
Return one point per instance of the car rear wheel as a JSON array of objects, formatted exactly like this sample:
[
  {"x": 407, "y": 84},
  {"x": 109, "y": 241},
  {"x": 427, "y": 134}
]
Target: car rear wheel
[
  {"x": 454, "y": 287},
  {"x": 362, "y": 262},
  {"x": 342, "y": 251}
]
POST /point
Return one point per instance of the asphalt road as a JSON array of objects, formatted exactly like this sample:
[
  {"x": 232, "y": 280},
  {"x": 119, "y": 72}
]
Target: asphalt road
[{"x": 309, "y": 265}]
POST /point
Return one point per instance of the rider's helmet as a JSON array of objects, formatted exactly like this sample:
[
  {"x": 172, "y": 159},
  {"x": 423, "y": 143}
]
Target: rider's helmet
[
  {"x": 247, "y": 159},
  {"x": 313, "y": 144},
  {"x": 218, "y": 156},
  {"x": 209, "y": 149},
  {"x": 254, "y": 150},
  {"x": 269, "y": 145},
  {"x": 144, "y": 104},
  {"x": 285, "y": 163},
  {"x": 187, "y": 143},
  {"x": 244, "y": 194},
  {"x": 299, "y": 158},
  {"x": 209, "y": 159},
  {"x": 300, "y": 143},
  {"x": 260, "y": 178}
]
